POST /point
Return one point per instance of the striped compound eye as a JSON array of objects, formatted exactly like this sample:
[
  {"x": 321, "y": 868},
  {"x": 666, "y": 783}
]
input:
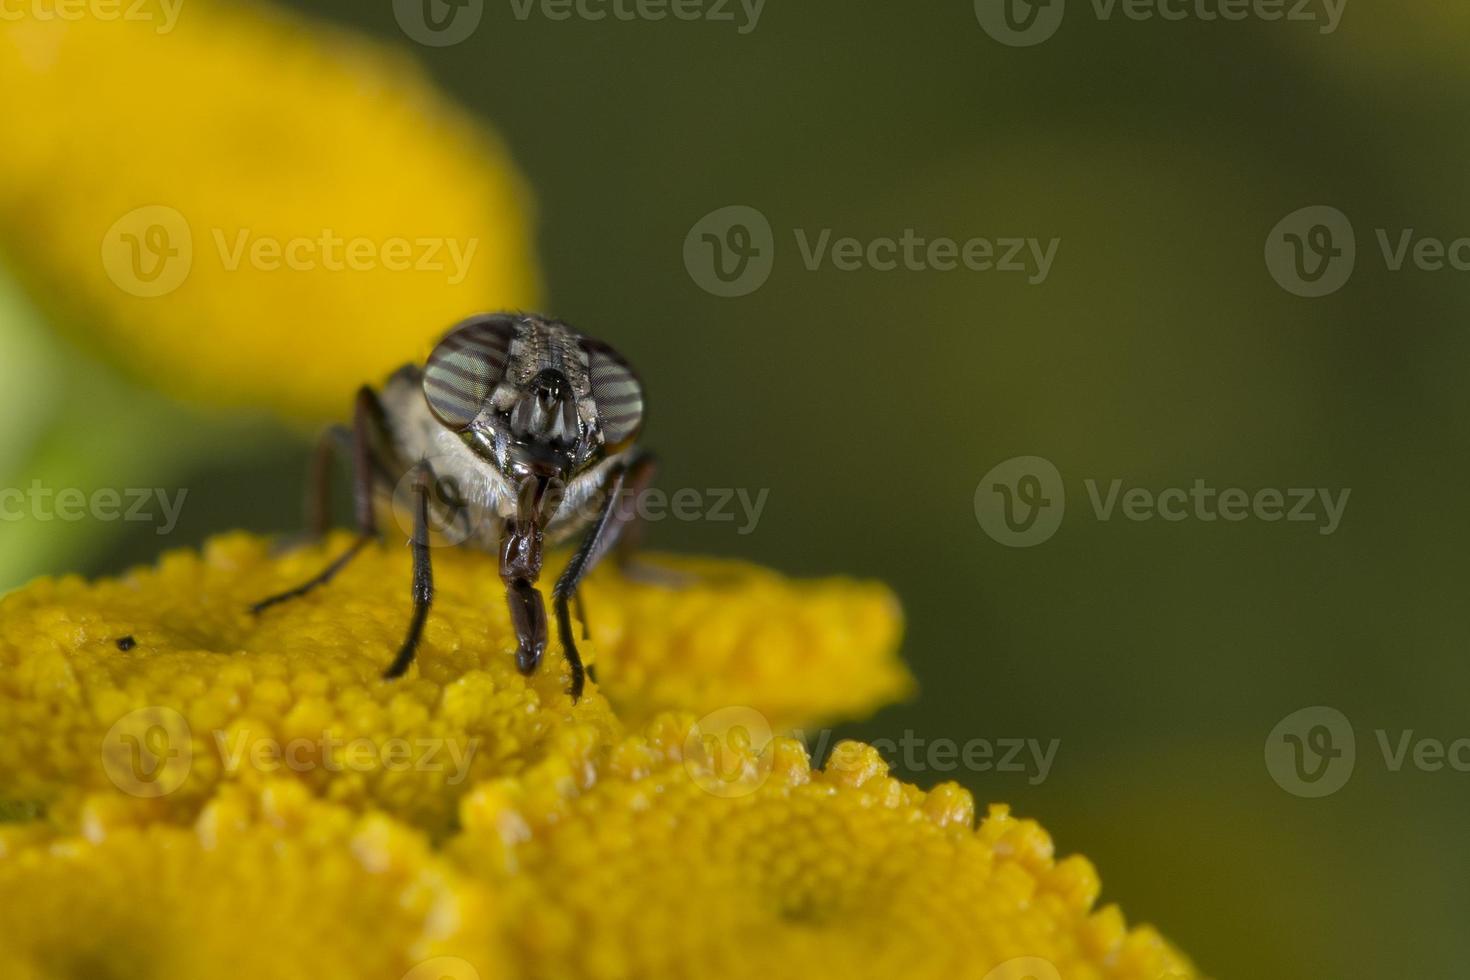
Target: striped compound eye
[
  {"x": 616, "y": 393},
  {"x": 464, "y": 369}
]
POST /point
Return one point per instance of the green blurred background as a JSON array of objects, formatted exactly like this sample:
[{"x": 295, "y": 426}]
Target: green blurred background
[{"x": 871, "y": 403}]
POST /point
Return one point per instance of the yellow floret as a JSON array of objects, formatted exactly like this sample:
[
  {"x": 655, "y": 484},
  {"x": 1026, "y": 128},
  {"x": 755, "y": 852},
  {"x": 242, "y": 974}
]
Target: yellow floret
[{"x": 246, "y": 208}]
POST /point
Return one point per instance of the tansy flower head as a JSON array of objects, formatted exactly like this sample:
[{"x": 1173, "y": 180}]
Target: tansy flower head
[
  {"x": 205, "y": 692},
  {"x": 570, "y": 844}
]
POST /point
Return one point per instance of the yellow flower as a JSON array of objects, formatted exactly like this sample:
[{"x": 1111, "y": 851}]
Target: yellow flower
[
  {"x": 241, "y": 797},
  {"x": 244, "y": 208},
  {"x": 208, "y": 693}
]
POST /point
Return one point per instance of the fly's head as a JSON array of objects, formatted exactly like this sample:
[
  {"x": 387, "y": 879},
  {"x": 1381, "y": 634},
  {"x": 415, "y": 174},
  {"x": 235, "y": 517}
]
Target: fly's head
[{"x": 535, "y": 400}]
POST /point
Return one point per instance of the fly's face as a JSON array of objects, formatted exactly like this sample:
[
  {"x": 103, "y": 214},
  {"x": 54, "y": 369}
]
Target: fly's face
[{"x": 534, "y": 399}]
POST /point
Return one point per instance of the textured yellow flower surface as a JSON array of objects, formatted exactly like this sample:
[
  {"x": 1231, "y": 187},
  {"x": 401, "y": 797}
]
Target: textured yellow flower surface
[
  {"x": 305, "y": 675},
  {"x": 245, "y": 208},
  {"x": 215, "y": 794}
]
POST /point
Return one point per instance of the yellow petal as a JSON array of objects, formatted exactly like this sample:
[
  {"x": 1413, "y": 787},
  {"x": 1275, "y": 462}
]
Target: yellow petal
[{"x": 247, "y": 208}]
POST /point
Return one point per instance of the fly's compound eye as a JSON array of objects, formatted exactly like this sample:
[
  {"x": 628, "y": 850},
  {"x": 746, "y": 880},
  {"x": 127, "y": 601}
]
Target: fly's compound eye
[
  {"x": 464, "y": 369},
  {"x": 617, "y": 394}
]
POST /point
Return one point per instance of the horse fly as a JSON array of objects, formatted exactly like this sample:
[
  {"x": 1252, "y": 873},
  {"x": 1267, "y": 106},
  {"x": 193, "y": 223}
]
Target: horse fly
[{"x": 517, "y": 432}]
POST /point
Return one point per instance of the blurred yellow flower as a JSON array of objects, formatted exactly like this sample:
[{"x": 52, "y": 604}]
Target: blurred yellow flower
[{"x": 245, "y": 208}]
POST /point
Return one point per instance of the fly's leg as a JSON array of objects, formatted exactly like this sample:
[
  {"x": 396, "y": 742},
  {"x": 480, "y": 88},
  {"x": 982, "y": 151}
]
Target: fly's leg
[
  {"x": 605, "y": 533},
  {"x": 367, "y": 423},
  {"x": 639, "y": 476},
  {"x": 423, "y": 573},
  {"x": 319, "y": 490}
]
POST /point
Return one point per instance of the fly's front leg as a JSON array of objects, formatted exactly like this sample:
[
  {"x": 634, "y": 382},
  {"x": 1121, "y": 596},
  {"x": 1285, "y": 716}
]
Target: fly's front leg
[
  {"x": 423, "y": 572},
  {"x": 367, "y": 429},
  {"x": 605, "y": 532}
]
